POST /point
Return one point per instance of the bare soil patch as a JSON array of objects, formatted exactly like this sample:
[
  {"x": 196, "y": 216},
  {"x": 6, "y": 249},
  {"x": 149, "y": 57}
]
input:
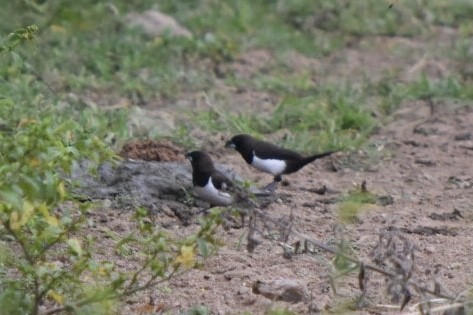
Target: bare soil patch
[
  {"x": 150, "y": 150},
  {"x": 431, "y": 208},
  {"x": 422, "y": 165}
]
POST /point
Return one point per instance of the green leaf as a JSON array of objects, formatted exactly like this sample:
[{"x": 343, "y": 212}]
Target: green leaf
[
  {"x": 203, "y": 248},
  {"x": 74, "y": 245},
  {"x": 30, "y": 186},
  {"x": 11, "y": 196},
  {"x": 118, "y": 280}
]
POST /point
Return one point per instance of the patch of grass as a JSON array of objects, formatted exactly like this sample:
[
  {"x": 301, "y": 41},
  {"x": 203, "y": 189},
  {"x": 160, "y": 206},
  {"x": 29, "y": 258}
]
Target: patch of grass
[
  {"x": 464, "y": 49},
  {"x": 369, "y": 18},
  {"x": 353, "y": 204},
  {"x": 181, "y": 136},
  {"x": 448, "y": 88},
  {"x": 348, "y": 211},
  {"x": 197, "y": 310},
  {"x": 344, "y": 306},
  {"x": 252, "y": 25},
  {"x": 86, "y": 54},
  {"x": 219, "y": 119},
  {"x": 389, "y": 94},
  {"x": 282, "y": 83},
  {"x": 91, "y": 50},
  {"x": 451, "y": 89},
  {"x": 330, "y": 119},
  {"x": 445, "y": 12},
  {"x": 279, "y": 311}
]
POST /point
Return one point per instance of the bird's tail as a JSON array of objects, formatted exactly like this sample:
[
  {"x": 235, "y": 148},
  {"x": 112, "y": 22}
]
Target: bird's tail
[{"x": 317, "y": 156}]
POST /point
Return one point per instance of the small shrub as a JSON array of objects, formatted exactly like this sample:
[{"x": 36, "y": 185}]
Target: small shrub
[{"x": 47, "y": 260}]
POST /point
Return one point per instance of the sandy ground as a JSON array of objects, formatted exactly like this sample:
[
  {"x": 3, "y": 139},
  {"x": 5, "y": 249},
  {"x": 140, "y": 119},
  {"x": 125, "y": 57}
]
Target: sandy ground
[
  {"x": 425, "y": 166},
  {"x": 421, "y": 159}
]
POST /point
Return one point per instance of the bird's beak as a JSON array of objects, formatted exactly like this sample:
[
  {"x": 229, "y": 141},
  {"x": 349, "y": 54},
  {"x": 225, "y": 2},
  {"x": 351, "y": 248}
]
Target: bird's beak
[
  {"x": 230, "y": 144},
  {"x": 189, "y": 157}
]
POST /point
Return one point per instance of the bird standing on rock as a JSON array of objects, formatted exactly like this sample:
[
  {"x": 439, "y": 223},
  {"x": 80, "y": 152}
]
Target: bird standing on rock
[
  {"x": 209, "y": 183},
  {"x": 270, "y": 158}
]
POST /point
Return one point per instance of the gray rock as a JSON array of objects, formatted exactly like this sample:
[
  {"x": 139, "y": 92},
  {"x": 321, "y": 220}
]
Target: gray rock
[
  {"x": 288, "y": 290},
  {"x": 136, "y": 183},
  {"x": 155, "y": 23}
]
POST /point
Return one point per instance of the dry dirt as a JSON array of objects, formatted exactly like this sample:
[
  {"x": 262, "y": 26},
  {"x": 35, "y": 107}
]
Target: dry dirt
[
  {"x": 150, "y": 150},
  {"x": 425, "y": 167},
  {"x": 422, "y": 159}
]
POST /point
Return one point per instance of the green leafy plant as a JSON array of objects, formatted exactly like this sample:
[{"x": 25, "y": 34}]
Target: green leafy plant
[
  {"x": 17, "y": 37},
  {"x": 48, "y": 263},
  {"x": 43, "y": 257},
  {"x": 197, "y": 310},
  {"x": 36, "y": 153},
  {"x": 354, "y": 203}
]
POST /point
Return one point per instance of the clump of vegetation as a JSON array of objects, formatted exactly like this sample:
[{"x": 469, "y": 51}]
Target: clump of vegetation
[
  {"x": 48, "y": 261},
  {"x": 279, "y": 311},
  {"x": 88, "y": 58},
  {"x": 45, "y": 259},
  {"x": 354, "y": 203}
]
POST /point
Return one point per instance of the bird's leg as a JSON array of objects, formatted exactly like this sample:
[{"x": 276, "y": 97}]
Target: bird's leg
[
  {"x": 205, "y": 210},
  {"x": 242, "y": 218},
  {"x": 271, "y": 187}
]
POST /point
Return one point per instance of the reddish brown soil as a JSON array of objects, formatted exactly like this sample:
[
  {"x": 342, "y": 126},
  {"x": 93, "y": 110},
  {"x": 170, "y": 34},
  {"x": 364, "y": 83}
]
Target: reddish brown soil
[{"x": 150, "y": 150}]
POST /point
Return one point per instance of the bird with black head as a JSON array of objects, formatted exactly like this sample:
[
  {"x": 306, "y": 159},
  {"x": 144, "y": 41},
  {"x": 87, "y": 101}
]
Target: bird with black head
[{"x": 270, "y": 158}]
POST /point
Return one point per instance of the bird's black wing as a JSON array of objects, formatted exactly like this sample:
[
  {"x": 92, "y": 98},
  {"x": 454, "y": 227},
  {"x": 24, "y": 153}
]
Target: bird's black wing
[
  {"x": 220, "y": 181},
  {"x": 266, "y": 150}
]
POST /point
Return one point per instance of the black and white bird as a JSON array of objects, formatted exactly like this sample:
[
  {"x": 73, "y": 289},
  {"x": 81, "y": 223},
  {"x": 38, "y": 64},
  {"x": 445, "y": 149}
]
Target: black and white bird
[
  {"x": 209, "y": 183},
  {"x": 270, "y": 158}
]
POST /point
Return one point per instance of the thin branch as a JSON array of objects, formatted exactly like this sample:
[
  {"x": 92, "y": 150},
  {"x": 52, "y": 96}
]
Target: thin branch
[
  {"x": 24, "y": 249},
  {"x": 134, "y": 279},
  {"x": 90, "y": 300},
  {"x": 151, "y": 284},
  {"x": 66, "y": 231},
  {"x": 53, "y": 281}
]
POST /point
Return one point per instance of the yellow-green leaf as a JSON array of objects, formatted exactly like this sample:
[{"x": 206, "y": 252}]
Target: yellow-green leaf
[
  {"x": 34, "y": 162},
  {"x": 51, "y": 219},
  {"x": 58, "y": 29},
  {"x": 26, "y": 121},
  {"x": 14, "y": 218},
  {"x": 28, "y": 210},
  {"x": 186, "y": 257},
  {"x": 61, "y": 190},
  {"x": 58, "y": 298},
  {"x": 74, "y": 244}
]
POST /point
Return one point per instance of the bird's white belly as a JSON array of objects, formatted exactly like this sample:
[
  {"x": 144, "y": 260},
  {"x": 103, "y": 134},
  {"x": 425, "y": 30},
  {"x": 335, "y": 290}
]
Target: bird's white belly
[
  {"x": 212, "y": 195},
  {"x": 275, "y": 167}
]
